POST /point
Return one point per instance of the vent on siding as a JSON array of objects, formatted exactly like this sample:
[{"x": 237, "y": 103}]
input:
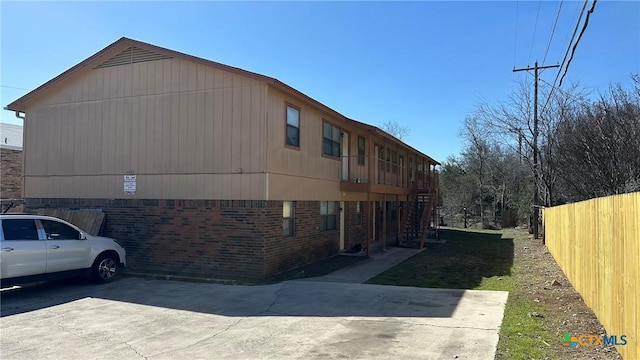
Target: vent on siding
[{"x": 132, "y": 55}]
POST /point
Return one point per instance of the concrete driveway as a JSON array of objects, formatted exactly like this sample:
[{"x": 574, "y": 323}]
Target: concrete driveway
[{"x": 136, "y": 318}]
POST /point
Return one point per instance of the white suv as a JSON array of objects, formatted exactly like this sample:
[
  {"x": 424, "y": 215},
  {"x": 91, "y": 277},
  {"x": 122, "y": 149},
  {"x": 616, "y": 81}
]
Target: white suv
[{"x": 34, "y": 248}]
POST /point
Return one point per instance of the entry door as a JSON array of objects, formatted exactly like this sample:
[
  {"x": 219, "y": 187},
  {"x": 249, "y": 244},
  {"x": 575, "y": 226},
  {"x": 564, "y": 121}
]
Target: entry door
[
  {"x": 345, "y": 156},
  {"x": 22, "y": 253},
  {"x": 342, "y": 234}
]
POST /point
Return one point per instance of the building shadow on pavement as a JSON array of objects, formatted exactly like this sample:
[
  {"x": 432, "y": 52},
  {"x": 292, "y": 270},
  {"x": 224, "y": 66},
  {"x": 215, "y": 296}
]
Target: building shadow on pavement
[
  {"x": 460, "y": 263},
  {"x": 292, "y": 298}
]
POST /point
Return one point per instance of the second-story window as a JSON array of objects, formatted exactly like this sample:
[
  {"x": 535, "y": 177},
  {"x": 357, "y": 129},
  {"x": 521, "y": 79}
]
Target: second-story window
[
  {"x": 394, "y": 162},
  {"x": 361, "y": 146},
  {"x": 388, "y": 160},
  {"x": 331, "y": 140},
  {"x": 293, "y": 126}
]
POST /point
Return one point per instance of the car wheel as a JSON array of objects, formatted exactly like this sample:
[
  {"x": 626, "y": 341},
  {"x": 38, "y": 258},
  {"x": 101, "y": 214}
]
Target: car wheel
[{"x": 106, "y": 268}]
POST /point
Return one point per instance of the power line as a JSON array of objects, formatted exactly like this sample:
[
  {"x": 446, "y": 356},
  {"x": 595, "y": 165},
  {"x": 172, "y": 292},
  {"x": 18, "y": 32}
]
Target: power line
[
  {"x": 573, "y": 51},
  {"x": 535, "y": 27},
  {"x": 553, "y": 30},
  {"x": 515, "y": 39},
  {"x": 564, "y": 92},
  {"x": 13, "y": 87},
  {"x": 575, "y": 31},
  {"x": 574, "y": 18}
]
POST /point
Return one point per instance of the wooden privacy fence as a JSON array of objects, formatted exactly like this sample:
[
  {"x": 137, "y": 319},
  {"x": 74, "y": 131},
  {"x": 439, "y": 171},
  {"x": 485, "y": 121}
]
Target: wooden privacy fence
[
  {"x": 597, "y": 245},
  {"x": 89, "y": 221}
]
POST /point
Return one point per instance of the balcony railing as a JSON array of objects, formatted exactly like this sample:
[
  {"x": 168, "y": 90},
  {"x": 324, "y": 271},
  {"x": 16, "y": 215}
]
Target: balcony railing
[{"x": 378, "y": 172}]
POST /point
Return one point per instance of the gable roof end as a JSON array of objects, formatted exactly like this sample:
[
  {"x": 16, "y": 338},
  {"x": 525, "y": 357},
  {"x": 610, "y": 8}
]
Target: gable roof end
[
  {"x": 126, "y": 51},
  {"x": 116, "y": 52}
]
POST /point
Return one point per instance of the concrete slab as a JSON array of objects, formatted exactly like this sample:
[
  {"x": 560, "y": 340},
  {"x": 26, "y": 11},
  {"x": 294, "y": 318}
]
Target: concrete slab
[
  {"x": 155, "y": 319},
  {"x": 377, "y": 263}
]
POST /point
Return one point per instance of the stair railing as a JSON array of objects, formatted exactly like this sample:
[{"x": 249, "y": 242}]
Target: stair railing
[
  {"x": 426, "y": 215},
  {"x": 413, "y": 191}
]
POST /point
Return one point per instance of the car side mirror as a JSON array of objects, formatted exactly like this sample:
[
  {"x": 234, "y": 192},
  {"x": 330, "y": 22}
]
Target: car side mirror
[{"x": 83, "y": 236}]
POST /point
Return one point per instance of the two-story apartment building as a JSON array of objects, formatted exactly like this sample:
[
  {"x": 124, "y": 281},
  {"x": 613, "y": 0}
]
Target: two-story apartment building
[{"x": 209, "y": 170}]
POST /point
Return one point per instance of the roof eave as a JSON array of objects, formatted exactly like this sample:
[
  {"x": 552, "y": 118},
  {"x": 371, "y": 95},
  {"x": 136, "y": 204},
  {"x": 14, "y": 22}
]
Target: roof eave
[
  {"x": 97, "y": 58},
  {"x": 18, "y": 105}
]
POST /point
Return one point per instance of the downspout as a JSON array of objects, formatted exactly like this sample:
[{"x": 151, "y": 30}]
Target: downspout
[
  {"x": 266, "y": 145},
  {"x": 24, "y": 151}
]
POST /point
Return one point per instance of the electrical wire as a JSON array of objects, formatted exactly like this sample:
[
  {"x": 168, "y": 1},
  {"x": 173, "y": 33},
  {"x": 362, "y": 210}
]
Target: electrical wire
[
  {"x": 575, "y": 31},
  {"x": 553, "y": 30},
  {"x": 13, "y": 87},
  {"x": 515, "y": 39},
  {"x": 573, "y": 51},
  {"x": 535, "y": 27},
  {"x": 573, "y": 96}
]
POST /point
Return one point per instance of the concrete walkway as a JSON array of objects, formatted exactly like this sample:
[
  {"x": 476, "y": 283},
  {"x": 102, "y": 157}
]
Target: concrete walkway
[{"x": 377, "y": 263}]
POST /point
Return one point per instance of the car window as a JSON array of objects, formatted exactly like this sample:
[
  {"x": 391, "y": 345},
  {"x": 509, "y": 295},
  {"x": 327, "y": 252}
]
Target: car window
[
  {"x": 19, "y": 229},
  {"x": 59, "y": 231}
]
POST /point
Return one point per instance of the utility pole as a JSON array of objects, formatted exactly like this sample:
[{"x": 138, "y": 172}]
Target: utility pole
[{"x": 536, "y": 175}]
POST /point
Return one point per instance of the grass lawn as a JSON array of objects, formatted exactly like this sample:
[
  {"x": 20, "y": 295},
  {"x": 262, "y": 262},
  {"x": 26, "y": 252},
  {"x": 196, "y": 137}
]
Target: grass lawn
[{"x": 481, "y": 260}]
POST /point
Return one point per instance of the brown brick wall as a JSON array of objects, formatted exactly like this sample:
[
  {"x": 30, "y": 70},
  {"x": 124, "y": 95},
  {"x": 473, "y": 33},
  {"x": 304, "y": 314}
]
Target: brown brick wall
[
  {"x": 209, "y": 238},
  {"x": 308, "y": 244},
  {"x": 10, "y": 174},
  {"x": 219, "y": 239}
]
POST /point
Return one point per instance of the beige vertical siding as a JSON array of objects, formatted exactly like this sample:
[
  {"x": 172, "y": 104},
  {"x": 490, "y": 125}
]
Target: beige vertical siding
[
  {"x": 294, "y": 171},
  {"x": 597, "y": 245},
  {"x": 186, "y": 130},
  {"x": 288, "y": 167}
]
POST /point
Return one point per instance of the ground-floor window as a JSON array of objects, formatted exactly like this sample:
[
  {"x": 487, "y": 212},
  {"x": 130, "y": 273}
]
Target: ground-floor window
[
  {"x": 287, "y": 218},
  {"x": 328, "y": 215}
]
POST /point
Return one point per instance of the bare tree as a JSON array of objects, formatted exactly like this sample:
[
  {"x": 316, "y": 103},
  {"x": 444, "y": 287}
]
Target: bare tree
[
  {"x": 394, "y": 128},
  {"x": 599, "y": 146},
  {"x": 511, "y": 124}
]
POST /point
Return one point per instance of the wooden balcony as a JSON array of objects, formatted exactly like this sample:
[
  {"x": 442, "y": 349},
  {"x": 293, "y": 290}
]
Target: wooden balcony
[{"x": 382, "y": 176}]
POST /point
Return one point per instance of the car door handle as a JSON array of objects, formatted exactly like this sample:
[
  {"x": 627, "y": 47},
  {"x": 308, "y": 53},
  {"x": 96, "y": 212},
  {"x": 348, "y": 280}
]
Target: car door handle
[
  {"x": 7, "y": 249},
  {"x": 54, "y": 247}
]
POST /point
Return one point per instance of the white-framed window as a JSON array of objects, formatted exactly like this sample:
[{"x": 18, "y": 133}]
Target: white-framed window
[
  {"x": 288, "y": 220},
  {"x": 328, "y": 211}
]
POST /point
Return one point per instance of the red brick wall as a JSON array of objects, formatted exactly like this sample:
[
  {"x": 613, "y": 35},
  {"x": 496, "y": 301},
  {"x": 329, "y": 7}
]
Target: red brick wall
[
  {"x": 219, "y": 239},
  {"x": 308, "y": 244},
  {"x": 209, "y": 238},
  {"x": 10, "y": 174}
]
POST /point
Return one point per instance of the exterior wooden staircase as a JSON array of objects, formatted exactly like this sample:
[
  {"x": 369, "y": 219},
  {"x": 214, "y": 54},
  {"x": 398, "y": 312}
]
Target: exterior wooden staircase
[{"x": 415, "y": 220}]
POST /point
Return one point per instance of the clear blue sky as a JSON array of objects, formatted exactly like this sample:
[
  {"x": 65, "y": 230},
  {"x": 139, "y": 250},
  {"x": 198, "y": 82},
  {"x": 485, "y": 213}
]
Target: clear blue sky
[{"x": 423, "y": 64}]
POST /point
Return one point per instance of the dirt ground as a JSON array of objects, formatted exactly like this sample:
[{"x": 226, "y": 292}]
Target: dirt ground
[{"x": 565, "y": 311}]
